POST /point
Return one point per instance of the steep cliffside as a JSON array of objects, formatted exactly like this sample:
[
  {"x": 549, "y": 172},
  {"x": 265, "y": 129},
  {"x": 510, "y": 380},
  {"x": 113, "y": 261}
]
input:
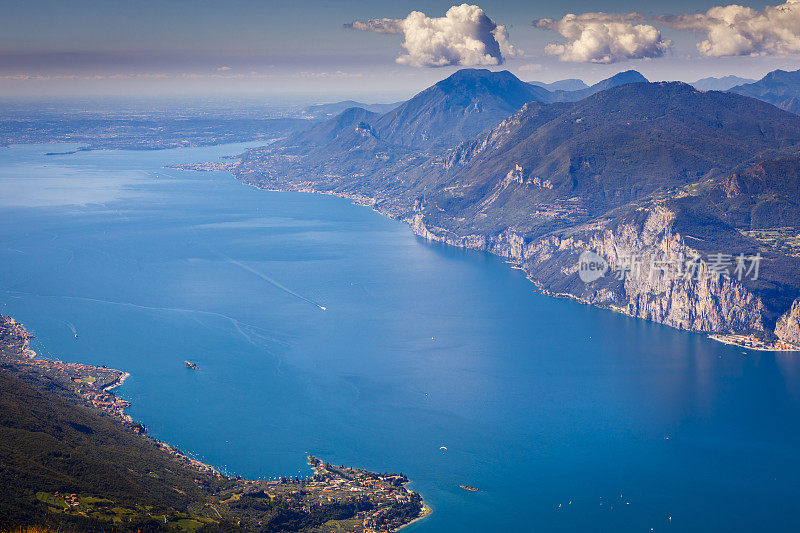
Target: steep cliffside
[
  {"x": 788, "y": 326},
  {"x": 641, "y": 247},
  {"x": 694, "y": 301},
  {"x": 645, "y": 176}
]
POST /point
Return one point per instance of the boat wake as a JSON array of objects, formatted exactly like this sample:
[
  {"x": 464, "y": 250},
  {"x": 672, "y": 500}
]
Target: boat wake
[
  {"x": 238, "y": 325},
  {"x": 272, "y": 282}
]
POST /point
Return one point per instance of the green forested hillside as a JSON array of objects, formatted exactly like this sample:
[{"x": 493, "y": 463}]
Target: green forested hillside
[
  {"x": 49, "y": 445},
  {"x": 70, "y": 467}
]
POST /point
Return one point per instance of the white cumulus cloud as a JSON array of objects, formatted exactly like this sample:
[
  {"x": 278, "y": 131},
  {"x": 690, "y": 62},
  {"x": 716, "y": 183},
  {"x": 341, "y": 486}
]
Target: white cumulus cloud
[
  {"x": 736, "y": 30},
  {"x": 604, "y": 38},
  {"x": 465, "y": 36}
]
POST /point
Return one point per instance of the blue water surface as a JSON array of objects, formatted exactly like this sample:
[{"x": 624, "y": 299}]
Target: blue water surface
[{"x": 567, "y": 418}]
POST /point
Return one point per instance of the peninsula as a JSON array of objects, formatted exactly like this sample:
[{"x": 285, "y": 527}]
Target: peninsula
[{"x": 59, "y": 421}]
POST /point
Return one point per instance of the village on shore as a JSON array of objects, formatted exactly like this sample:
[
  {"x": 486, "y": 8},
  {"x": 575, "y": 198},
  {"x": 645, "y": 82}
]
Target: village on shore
[
  {"x": 751, "y": 342},
  {"x": 340, "y": 498}
]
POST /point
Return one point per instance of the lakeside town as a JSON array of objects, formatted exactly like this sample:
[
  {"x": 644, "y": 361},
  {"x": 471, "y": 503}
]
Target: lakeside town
[
  {"x": 91, "y": 383},
  {"x": 752, "y": 342},
  {"x": 377, "y": 503},
  {"x": 334, "y": 499},
  {"x": 339, "y": 498}
]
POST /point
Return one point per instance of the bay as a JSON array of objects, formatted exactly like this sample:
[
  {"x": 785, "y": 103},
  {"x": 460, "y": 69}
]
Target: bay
[{"x": 568, "y": 418}]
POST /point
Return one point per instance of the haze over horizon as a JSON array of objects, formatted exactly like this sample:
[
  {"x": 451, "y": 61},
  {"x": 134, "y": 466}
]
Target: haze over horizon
[
  {"x": 492, "y": 259},
  {"x": 380, "y": 51}
]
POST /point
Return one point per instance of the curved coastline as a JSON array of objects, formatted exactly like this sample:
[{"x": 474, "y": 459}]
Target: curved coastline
[
  {"x": 92, "y": 385},
  {"x": 418, "y": 228}
]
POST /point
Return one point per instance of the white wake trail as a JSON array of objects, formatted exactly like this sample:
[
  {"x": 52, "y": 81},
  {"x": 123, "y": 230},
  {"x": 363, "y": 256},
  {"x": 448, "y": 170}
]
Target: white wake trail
[
  {"x": 273, "y": 282},
  {"x": 238, "y": 325}
]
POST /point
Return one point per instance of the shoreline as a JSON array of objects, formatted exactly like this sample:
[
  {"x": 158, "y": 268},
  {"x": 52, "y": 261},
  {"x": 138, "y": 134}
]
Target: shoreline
[
  {"x": 82, "y": 381},
  {"x": 426, "y": 512},
  {"x": 90, "y": 386},
  {"x": 419, "y": 229},
  {"x": 357, "y": 479},
  {"x": 120, "y": 382},
  {"x": 749, "y": 342}
]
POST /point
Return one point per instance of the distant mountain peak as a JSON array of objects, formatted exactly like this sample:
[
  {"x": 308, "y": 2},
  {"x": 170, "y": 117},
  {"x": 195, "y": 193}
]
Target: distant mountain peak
[
  {"x": 476, "y": 78},
  {"x": 780, "y": 88},
  {"x": 720, "y": 84},
  {"x": 317, "y": 111},
  {"x": 457, "y": 108},
  {"x": 474, "y": 73},
  {"x": 779, "y": 73},
  {"x": 322, "y": 133},
  {"x": 570, "y": 84},
  {"x": 621, "y": 78},
  {"x": 629, "y": 74}
]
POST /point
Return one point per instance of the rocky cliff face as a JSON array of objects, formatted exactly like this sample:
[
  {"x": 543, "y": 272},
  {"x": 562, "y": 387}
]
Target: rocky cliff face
[
  {"x": 641, "y": 175},
  {"x": 788, "y": 326},
  {"x": 643, "y": 254},
  {"x": 698, "y": 302}
]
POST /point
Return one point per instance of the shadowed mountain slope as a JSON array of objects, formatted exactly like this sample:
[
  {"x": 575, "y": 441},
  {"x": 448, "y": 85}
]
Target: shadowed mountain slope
[
  {"x": 779, "y": 88},
  {"x": 615, "y": 147},
  {"x": 617, "y": 80},
  {"x": 637, "y": 168},
  {"x": 457, "y": 108}
]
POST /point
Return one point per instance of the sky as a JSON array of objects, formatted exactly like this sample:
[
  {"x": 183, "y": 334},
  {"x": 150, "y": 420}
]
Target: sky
[{"x": 377, "y": 51}]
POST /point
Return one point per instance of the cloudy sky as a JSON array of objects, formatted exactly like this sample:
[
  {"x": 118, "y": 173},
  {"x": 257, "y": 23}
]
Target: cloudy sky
[{"x": 379, "y": 50}]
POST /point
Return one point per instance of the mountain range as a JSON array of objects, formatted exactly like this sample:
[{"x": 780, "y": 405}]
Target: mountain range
[
  {"x": 451, "y": 111},
  {"x": 780, "y": 88},
  {"x": 486, "y": 161},
  {"x": 720, "y": 84},
  {"x": 616, "y": 146},
  {"x": 622, "y": 78}
]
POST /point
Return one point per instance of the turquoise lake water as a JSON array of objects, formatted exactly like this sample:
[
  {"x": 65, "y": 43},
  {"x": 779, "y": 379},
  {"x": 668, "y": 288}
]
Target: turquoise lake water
[{"x": 568, "y": 418}]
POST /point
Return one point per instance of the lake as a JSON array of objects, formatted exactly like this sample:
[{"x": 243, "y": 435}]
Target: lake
[{"x": 568, "y": 418}]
